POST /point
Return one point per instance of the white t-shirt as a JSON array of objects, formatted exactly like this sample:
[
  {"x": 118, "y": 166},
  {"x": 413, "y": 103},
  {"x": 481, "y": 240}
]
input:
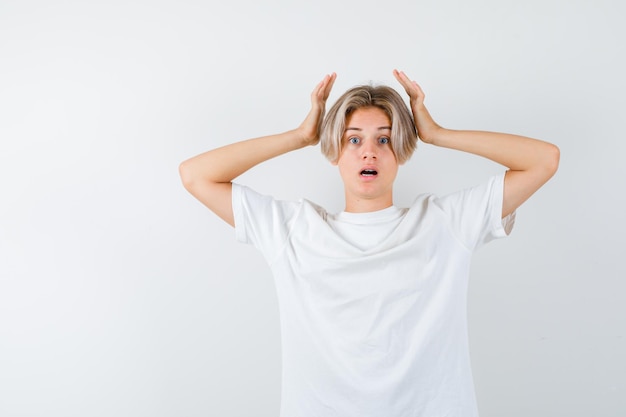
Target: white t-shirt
[{"x": 373, "y": 305}]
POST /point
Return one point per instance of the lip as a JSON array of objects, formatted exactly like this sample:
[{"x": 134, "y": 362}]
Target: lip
[{"x": 368, "y": 177}]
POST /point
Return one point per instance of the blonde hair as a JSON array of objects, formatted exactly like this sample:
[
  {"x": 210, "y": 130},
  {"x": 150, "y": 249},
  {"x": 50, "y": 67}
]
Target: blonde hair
[{"x": 403, "y": 130}]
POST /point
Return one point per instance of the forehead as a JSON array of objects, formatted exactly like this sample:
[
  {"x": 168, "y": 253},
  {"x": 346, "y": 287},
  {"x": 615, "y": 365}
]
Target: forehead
[{"x": 368, "y": 116}]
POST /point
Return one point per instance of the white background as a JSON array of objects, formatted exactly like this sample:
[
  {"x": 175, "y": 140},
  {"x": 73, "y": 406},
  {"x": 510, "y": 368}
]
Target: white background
[{"x": 120, "y": 295}]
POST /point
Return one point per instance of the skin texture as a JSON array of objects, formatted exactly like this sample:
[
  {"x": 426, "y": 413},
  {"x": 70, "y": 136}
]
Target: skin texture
[
  {"x": 208, "y": 176},
  {"x": 530, "y": 162},
  {"x": 367, "y": 145}
]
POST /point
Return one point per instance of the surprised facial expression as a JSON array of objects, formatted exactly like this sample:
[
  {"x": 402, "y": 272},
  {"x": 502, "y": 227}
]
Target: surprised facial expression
[{"x": 367, "y": 163}]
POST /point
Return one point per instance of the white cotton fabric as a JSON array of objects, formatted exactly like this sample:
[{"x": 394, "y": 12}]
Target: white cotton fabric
[{"x": 373, "y": 305}]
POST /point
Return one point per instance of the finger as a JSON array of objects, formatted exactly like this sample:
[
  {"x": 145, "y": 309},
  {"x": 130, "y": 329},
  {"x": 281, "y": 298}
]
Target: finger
[
  {"x": 319, "y": 87},
  {"x": 318, "y": 91},
  {"x": 401, "y": 77},
  {"x": 404, "y": 81},
  {"x": 420, "y": 92},
  {"x": 412, "y": 87},
  {"x": 322, "y": 90},
  {"x": 329, "y": 85}
]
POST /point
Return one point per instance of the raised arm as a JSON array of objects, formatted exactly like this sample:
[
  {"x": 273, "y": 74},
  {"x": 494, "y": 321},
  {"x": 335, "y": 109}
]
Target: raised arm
[
  {"x": 208, "y": 176},
  {"x": 531, "y": 162}
]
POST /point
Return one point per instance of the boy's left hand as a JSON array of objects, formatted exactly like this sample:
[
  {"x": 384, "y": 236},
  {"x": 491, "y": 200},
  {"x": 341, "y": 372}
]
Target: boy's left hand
[{"x": 427, "y": 128}]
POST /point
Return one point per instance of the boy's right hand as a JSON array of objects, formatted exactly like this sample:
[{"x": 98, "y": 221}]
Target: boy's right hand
[{"x": 309, "y": 130}]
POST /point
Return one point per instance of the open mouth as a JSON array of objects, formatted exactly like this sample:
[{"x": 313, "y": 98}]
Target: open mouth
[{"x": 369, "y": 173}]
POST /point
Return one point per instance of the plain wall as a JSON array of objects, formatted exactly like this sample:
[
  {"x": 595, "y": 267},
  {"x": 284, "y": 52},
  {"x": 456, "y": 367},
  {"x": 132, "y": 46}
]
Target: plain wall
[{"x": 122, "y": 295}]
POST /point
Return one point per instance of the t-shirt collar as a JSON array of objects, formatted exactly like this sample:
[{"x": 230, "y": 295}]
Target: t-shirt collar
[{"x": 379, "y": 216}]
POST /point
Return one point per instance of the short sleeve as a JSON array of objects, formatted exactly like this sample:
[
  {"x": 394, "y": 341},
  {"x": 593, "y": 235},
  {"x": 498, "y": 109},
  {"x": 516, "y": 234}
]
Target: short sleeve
[
  {"x": 475, "y": 214},
  {"x": 261, "y": 220}
]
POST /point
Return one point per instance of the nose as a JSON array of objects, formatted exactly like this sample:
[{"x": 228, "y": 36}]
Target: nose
[{"x": 368, "y": 150}]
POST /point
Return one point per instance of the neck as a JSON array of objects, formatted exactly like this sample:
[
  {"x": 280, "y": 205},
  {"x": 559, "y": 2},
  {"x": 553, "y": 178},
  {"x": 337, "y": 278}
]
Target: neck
[{"x": 361, "y": 205}]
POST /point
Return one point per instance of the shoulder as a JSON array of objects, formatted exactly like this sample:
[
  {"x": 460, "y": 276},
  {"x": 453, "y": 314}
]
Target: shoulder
[
  {"x": 241, "y": 191},
  {"x": 476, "y": 196},
  {"x": 251, "y": 203}
]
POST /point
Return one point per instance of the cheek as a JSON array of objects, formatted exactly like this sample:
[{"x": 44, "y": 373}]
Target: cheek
[
  {"x": 393, "y": 165},
  {"x": 343, "y": 167},
  {"x": 391, "y": 157},
  {"x": 347, "y": 166}
]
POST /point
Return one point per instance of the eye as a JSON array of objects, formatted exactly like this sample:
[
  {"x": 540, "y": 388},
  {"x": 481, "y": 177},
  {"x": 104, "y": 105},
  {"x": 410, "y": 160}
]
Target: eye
[
  {"x": 354, "y": 140},
  {"x": 383, "y": 141}
]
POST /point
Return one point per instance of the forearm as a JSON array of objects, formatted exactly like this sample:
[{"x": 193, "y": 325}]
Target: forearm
[
  {"x": 531, "y": 162},
  {"x": 209, "y": 176},
  {"x": 224, "y": 164},
  {"x": 517, "y": 153}
]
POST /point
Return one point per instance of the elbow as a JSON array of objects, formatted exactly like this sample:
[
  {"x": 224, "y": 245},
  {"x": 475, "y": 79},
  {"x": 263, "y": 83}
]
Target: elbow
[
  {"x": 547, "y": 162},
  {"x": 553, "y": 156},
  {"x": 186, "y": 175}
]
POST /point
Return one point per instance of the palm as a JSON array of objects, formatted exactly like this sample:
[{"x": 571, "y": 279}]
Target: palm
[
  {"x": 426, "y": 126},
  {"x": 310, "y": 127}
]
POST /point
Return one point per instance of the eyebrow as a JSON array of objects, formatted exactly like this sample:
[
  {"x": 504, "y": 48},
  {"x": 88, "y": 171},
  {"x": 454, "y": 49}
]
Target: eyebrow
[{"x": 359, "y": 129}]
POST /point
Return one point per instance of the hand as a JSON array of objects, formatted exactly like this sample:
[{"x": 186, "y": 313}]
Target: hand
[
  {"x": 427, "y": 129},
  {"x": 309, "y": 130}
]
